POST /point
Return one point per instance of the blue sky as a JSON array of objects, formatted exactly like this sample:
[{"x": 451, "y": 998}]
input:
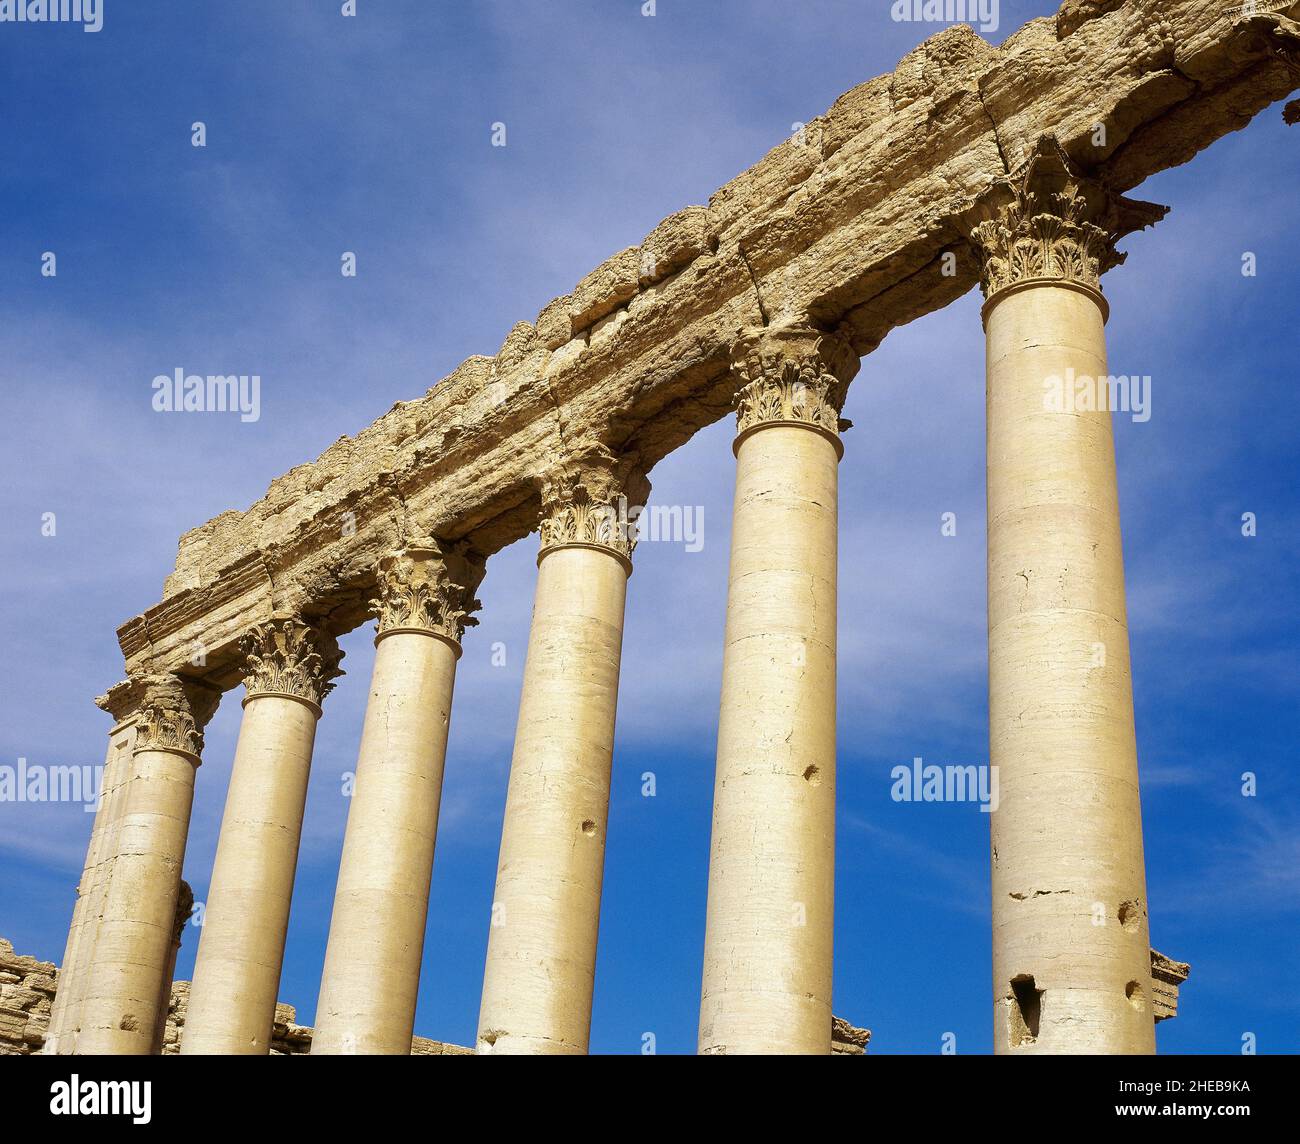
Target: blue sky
[{"x": 372, "y": 134}]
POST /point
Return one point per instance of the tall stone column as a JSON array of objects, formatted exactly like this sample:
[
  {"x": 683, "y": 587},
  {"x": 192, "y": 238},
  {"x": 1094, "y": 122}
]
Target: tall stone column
[
  {"x": 132, "y": 952},
  {"x": 541, "y": 957},
  {"x": 65, "y": 1012},
  {"x": 1071, "y": 953},
  {"x": 372, "y": 963},
  {"x": 237, "y": 972},
  {"x": 768, "y": 939}
]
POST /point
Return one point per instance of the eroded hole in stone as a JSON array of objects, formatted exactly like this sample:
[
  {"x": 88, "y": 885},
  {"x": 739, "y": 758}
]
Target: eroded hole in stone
[
  {"x": 588, "y": 827},
  {"x": 130, "y": 1023},
  {"x": 1026, "y": 1010},
  {"x": 1130, "y": 916},
  {"x": 1136, "y": 998},
  {"x": 813, "y": 775}
]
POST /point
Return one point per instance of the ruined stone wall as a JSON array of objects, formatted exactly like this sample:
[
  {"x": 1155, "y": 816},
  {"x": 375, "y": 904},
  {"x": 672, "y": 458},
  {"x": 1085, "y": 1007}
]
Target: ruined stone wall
[{"x": 27, "y": 989}]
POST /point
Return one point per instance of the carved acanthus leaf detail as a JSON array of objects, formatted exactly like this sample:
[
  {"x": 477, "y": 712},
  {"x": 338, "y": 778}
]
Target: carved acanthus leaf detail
[
  {"x": 430, "y": 587},
  {"x": 789, "y": 391},
  {"x": 793, "y": 375},
  {"x": 1051, "y": 224},
  {"x": 172, "y": 713},
  {"x": 593, "y": 500},
  {"x": 288, "y": 657},
  {"x": 1043, "y": 238}
]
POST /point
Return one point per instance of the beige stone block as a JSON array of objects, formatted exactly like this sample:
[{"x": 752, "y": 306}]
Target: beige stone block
[
  {"x": 519, "y": 343},
  {"x": 612, "y": 284},
  {"x": 554, "y": 326},
  {"x": 678, "y": 240}
]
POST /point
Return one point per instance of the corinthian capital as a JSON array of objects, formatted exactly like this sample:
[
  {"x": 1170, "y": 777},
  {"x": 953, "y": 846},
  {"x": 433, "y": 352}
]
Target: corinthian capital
[
  {"x": 172, "y": 713},
  {"x": 285, "y": 656},
  {"x": 792, "y": 375},
  {"x": 1045, "y": 223},
  {"x": 429, "y": 587},
  {"x": 586, "y": 502}
]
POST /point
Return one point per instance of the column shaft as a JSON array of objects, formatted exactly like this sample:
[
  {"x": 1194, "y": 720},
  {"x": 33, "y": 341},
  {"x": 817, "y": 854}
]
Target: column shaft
[
  {"x": 372, "y": 963},
  {"x": 541, "y": 959},
  {"x": 246, "y": 919},
  {"x": 65, "y": 1013},
  {"x": 133, "y": 948},
  {"x": 768, "y": 942},
  {"x": 1071, "y": 952}
]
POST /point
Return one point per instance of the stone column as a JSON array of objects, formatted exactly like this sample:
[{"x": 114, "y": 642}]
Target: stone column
[
  {"x": 541, "y": 957},
  {"x": 1071, "y": 954},
  {"x": 237, "y": 972},
  {"x": 133, "y": 946},
  {"x": 768, "y": 939},
  {"x": 372, "y": 963},
  {"x": 65, "y": 1013}
]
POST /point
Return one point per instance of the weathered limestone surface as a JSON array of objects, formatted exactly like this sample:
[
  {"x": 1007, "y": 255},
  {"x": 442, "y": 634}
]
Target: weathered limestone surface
[
  {"x": 846, "y": 226},
  {"x": 27, "y": 989},
  {"x": 769, "y": 926},
  {"x": 848, "y": 1040},
  {"x": 382, "y": 900},
  {"x": 290, "y": 668},
  {"x": 541, "y": 959}
]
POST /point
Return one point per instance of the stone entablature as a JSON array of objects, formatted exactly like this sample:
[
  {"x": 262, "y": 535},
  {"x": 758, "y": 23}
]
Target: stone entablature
[{"x": 858, "y": 224}]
